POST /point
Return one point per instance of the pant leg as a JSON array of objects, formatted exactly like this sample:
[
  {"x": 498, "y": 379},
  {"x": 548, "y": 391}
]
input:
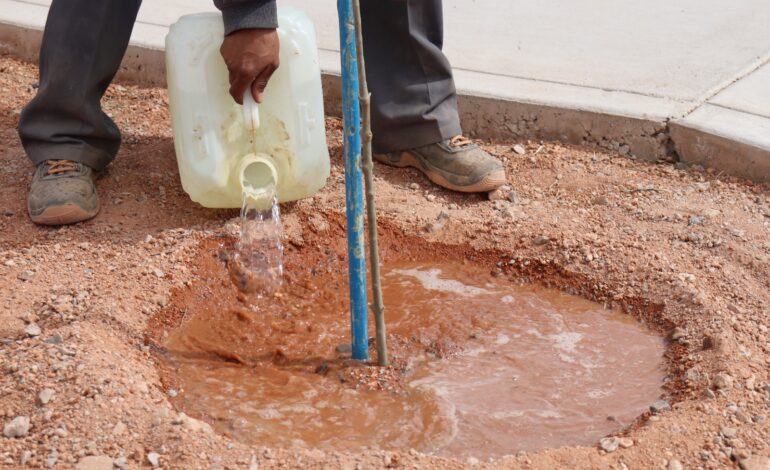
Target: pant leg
[
  {"x": 83, "y": 45},
  {"x": 414, "y": 102}
]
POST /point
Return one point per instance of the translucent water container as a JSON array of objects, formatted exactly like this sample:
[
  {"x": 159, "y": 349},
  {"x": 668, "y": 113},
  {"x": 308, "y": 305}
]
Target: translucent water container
[{"x": 222, "y": 147}]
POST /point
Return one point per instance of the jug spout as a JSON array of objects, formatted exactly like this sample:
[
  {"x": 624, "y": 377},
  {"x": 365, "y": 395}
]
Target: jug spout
[{"x": 257, "y": 174}]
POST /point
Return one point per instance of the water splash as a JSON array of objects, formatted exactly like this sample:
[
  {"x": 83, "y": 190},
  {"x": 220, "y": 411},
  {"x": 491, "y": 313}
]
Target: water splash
[{"x": 257, "y": 267}]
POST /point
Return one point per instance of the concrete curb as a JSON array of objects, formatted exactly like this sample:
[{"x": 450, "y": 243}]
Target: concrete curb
[{"x": 498, "y": 118}]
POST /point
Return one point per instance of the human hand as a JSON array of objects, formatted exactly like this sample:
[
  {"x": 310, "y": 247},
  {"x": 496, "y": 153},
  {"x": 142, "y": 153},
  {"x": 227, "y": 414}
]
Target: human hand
[{"x": 251, "y": 56}]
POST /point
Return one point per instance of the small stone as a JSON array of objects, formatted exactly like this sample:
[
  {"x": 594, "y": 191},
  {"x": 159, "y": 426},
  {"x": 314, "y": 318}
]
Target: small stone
[
  {"x": 624, "y": 150},
  {"x": 95, "y": 462},
  {"x": 18, "y": 427},
  {"x": 678, "y": 333},
  {"x": 660, "y": 406},
  {"x": 711, "y": 213},
  {"x": 674, "y": 464},
  {"x": 119, "y": 429},
  {"x": 318, "y": 223},
  {"x": 172, "y": 393},
  {"x": 25, "y": 456},
  {"x": 431, "y": 197},
  {"x": 121, "y": 462},
  {"x": 160, "y": 300},
  {"x": 541, "y": 240},
  {"x": 728, "y": 433},
  {"x": 45, "y": 395},
  {"x": 10, "y": 263},
  {"x": 722, "y": 381},
  {"x": 626, "y": 442},
  {"x": 8, "y": 212},
  {"x": 499, "y": 194},
  {"x": 55, "y": 339},
  {"x": 53, "y": 457},
  {"x": 519, "y": 149},
  {"x": 153, "y": 458},
  {"x": 472, "y": 461},
  {"x": 414, "y": 186},
  {"x": 344, "y": 348},
  {"x": 26, "y": 275},
  {"x": 755, "y": 462},
  {"x": 32, "y": 330},
  {"x": 695, "y": 220},
  {"x": 600, "y": 201},
  {"x": 158, "y": 273},
  {"x": 609, "y": 444}
]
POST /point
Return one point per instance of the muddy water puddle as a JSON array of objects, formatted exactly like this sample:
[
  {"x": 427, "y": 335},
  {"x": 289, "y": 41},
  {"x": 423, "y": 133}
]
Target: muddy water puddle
[{"x": 484, "y": 368}]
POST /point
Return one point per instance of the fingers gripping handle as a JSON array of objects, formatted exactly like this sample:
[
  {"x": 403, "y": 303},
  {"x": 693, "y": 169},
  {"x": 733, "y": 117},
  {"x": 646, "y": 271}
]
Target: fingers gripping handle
[{"x": 250, "y": 111}]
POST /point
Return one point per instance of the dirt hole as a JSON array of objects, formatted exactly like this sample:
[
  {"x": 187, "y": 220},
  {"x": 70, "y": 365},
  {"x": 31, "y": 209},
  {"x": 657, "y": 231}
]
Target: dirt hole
[{"x": 483, "y": 366}]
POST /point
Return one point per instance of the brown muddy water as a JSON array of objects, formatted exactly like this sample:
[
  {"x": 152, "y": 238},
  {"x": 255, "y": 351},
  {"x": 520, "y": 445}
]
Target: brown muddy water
[{"x": 487, "y": 368}]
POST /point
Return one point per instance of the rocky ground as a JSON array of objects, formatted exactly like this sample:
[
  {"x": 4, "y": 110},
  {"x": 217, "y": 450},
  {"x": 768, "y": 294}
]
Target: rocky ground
[{"x": 685, "y": 250}]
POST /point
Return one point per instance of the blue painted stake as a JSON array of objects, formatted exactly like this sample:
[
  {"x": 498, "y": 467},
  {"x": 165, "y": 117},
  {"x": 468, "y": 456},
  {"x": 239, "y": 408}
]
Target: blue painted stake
[{"x": 354, "y": 193}]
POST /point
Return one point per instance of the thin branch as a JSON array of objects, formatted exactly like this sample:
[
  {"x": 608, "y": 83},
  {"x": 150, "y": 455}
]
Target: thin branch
[{"x": 371, "y": 209}]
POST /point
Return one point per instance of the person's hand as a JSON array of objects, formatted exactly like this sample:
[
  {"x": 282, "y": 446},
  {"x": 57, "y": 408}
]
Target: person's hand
[{"x": 251, "y": 56}]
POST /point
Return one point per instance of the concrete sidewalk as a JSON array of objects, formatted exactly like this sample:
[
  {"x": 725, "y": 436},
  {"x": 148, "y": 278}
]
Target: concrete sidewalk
[{"x": 650, "y": 79}]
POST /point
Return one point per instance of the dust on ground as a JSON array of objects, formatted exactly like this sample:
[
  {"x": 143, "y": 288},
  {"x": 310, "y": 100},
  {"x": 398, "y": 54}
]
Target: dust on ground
[{"x": 684, "y": 250}]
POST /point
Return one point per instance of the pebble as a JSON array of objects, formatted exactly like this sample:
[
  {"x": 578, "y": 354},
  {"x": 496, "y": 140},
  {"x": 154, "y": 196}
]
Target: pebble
[
  {"x": 95, "y": 462},
  {"x": 728, "y": 432},
  {"x": 626, "y": 442},
  {"x": 711, "y": 213},
  {"x": 153, "y": 458},
  {"x": 119, "y": 428},
  {"x": 499, "y": 194},
  {"x": 660, "y": 406},
  {"x": 678, "y": 333},
  {"x": 18, "y": 427},
  {"x": 755, "y": 462},
  {"x": 541, "y": 240},
  {"x": 431, "y": 197},
  {"x": 674, "y": 464},
  {"x": 695, "y": 220},
  {"x": 10, "y": 263},
  {"x": 609, "y": 444},
  {"x": 8, "y": 212},
  {"x": 519, "y": 149},
  {"x": 55, "y": 339},
  {"x": 26, "y": 275},
  {"x": 158, "y": 273},
  {"x": 25, "y": 456},
  {"x": 121, "y": 462},
  {"x": 32, "y": 330},
  {"x": 472, "y": 461},
  {"x": 53, "y": 457},
  {"x": 722, "y": 381},
  {"x": 45, "y": 395},
  {"x": 414, "y": 186},
  {"x": 600, "y": 201}
]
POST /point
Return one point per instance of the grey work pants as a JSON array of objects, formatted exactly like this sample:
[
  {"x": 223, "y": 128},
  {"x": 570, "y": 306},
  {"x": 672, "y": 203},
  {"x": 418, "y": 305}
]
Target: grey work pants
[{"x": 413, "y": 94}]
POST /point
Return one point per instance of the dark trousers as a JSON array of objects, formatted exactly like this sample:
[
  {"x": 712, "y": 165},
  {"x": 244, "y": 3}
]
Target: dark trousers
[{"x": 413, "y": 94}]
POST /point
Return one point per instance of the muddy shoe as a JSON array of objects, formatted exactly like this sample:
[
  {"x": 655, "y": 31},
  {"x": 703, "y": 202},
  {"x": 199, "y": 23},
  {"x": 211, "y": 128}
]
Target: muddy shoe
[
  {"x": 455, "y": 164},
  {"x": 62, "y": 192}
]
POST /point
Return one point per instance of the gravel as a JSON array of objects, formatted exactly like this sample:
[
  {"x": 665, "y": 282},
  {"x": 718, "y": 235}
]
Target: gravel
[
  {"x": 660, "y": 406},
  {"x": 18, "y": 427},
  {"x": 32, "y": 330},
  {"x": 45, "y": 395},
  {"x": 98, "y": 462}
]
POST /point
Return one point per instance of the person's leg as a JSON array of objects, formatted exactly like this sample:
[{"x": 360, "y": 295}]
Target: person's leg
[
  {"x": 414, "y": 103},
  {"x": 83, "y": 45},
  {"x": 413, "y": 93}
]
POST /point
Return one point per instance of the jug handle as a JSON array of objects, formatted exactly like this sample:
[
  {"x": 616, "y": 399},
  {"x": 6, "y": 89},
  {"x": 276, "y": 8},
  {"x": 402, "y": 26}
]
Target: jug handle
[{"x": 250, "y": 111}]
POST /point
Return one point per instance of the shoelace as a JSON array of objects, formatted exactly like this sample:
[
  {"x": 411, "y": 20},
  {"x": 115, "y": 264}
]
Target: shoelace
[
  {"x": 56, "y": 167},
  {"x": 460, "y": 141}
]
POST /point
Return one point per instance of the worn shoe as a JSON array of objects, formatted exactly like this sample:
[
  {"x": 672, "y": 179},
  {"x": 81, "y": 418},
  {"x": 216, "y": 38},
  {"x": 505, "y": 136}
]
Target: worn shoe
[
  {"x": 455, "y": 164},
  {"x": 62, "y": 192}
]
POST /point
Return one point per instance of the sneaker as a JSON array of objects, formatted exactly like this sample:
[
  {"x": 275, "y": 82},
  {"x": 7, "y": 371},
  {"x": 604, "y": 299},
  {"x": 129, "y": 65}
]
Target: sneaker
[
  {"x": 457, "y": 164},
  {"x": 62, "y": 192}
]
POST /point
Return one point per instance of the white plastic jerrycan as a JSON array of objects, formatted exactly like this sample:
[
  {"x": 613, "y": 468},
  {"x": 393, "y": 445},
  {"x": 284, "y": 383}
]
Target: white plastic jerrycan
[{"x": 222, "y": 146}]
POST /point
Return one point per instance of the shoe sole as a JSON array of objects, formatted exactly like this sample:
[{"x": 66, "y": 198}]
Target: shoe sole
[
  {"x": 489, "y": 182},
  {"x": 65, "y": 214}
]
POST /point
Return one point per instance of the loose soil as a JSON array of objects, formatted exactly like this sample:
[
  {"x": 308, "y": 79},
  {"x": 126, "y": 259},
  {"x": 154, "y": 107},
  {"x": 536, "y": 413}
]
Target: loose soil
[{"x": 85, "y": 308}]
